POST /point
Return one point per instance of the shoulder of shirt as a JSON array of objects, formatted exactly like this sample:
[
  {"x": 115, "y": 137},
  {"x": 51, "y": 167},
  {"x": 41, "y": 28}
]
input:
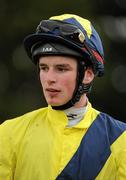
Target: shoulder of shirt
[{"x": 24, "y": 119}]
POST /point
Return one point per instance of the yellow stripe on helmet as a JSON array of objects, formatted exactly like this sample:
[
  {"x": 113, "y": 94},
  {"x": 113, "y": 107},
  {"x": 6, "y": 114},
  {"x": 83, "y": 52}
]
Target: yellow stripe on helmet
[{"x": 86, "y": 24}]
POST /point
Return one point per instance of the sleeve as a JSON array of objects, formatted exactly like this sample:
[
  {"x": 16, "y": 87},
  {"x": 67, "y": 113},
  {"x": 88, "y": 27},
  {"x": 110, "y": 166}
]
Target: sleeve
[
  {"x": 6, "y": 154},
  {"x": 121, "y": 171}
]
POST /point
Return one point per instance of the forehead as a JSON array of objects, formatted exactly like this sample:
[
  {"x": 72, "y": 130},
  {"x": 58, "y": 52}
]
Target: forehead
[{"x": 58, "y": 60}]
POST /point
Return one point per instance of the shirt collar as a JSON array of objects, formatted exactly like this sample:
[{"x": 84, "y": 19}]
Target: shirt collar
[{"x": 59, "y": 118}]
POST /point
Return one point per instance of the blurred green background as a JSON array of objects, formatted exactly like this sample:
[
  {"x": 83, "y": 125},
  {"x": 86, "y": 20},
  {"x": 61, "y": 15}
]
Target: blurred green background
[{"x": 20, "y": 90}]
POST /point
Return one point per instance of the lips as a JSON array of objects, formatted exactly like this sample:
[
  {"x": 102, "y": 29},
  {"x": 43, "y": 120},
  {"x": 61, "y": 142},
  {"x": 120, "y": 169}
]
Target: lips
[{"x": 52, "y": 90}]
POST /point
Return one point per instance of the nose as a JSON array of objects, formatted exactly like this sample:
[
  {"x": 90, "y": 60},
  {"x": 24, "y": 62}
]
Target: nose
[{"x": 51, "y": 77}]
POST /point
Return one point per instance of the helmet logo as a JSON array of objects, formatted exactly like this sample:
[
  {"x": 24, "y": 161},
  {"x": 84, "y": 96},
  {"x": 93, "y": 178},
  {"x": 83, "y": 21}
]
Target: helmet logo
[{"x": 47, "y": 49}]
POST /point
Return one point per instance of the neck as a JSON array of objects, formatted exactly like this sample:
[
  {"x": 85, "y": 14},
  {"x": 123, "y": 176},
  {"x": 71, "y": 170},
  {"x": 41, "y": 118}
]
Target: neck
[{"x": 82, "y": 102}]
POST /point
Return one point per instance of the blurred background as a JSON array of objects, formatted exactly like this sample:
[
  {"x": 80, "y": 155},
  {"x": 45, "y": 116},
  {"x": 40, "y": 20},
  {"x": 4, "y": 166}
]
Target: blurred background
[{"x": 20, "y": 90}]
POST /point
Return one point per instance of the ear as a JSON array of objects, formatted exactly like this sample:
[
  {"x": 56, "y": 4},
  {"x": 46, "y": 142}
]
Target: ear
[{"x": 89, "y": 76}]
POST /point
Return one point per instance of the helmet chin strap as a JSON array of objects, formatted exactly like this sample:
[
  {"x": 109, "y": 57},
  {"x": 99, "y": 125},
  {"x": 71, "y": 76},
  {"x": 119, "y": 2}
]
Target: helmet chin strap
[
  {"x": 80, "y": 88},
  {"x": 83, "y": 88}
]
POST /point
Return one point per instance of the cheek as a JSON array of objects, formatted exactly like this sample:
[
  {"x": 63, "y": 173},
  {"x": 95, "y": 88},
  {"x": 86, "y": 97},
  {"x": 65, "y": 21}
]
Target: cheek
[
  {"x": 42, "y": 78},
  {"x": 69, "y": 84}
]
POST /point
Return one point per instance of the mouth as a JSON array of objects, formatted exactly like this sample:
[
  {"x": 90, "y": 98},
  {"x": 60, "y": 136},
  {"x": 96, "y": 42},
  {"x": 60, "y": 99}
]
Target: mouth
[{"x": 52, "y": 90}]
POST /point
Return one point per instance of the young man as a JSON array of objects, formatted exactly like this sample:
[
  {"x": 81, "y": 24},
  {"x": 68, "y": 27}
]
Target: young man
[{"x": 68, "y": 139}]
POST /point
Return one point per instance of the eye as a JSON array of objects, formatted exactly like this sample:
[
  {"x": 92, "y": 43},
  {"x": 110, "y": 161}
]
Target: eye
[
  {"x": 62, "y": 68},
  {"x": 43, "y": 67}
]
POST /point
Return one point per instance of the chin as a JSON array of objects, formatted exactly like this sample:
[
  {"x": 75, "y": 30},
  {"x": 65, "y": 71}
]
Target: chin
[{"x": 55, "y": 103}]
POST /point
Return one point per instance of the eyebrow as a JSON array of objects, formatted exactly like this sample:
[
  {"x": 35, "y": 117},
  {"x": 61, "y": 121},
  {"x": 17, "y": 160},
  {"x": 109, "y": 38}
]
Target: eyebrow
[
  {"x": 59, "y": 65},
  {"x": 63, "y": 65}
]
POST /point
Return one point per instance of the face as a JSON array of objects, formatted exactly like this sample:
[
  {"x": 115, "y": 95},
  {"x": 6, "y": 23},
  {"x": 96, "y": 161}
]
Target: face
[{"x": 58, "y": 78}]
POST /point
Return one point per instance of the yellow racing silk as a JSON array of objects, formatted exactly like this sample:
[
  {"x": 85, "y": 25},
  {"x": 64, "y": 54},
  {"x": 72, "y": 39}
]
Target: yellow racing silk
[{"x": 40, "y": 146}]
